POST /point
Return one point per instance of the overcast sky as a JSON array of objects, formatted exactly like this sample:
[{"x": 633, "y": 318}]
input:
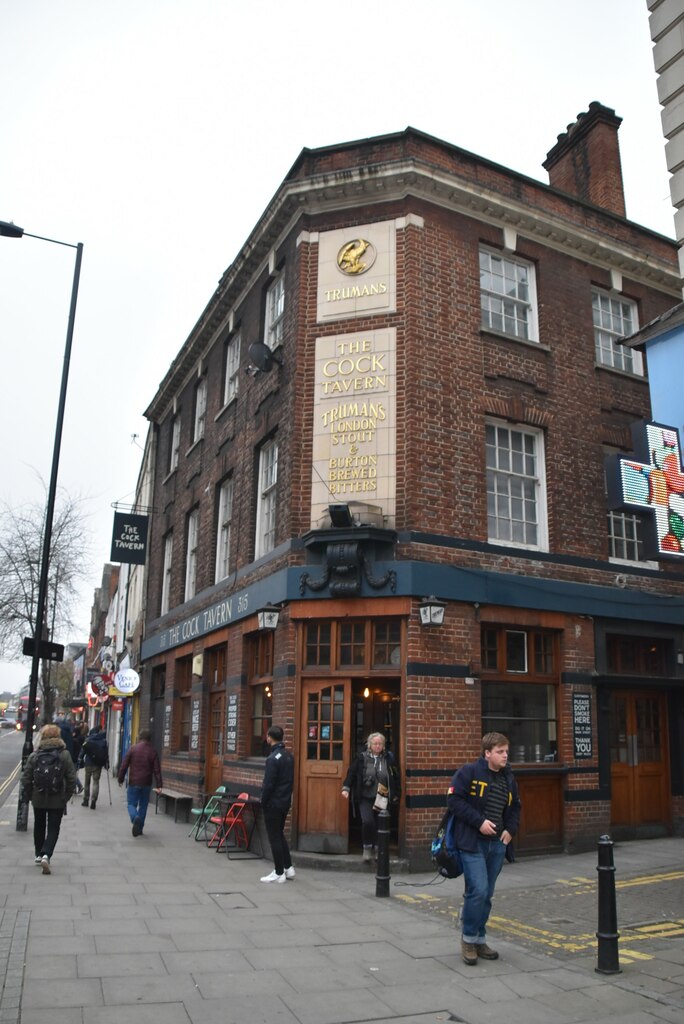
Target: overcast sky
[{"x": 156, "y": 132}]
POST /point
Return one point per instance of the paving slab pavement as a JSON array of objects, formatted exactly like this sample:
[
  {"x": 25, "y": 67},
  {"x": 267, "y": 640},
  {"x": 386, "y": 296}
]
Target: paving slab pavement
[{"x": 159, "y": 927}]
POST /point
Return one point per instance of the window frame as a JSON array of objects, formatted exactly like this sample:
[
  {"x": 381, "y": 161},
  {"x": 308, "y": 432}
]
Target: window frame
[
  {"x": 542, "y": 661},
  {"x": 167, "y": 569},
  {"x": 538, "y": 481},
  {"x": 260, "y": 690},
  {"x": 489, "y": 296},
  {"x": 182, "y": 685},
  {"x": 223, "y": 529},
  {"x": 200, "y": 417},
  {"x": 267, "y": 499},
  {"x": 191, "y": 550},
  {"x": 231, "y": 368},
  {"x": 275, "y": 313},
  {"x": 174, "y": 442},
  {"x": 323, "y": 641},
  {"x": 607, "y": 353}
]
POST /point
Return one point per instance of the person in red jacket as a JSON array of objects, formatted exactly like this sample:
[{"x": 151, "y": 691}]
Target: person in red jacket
[{"x": 142, "y": 764}]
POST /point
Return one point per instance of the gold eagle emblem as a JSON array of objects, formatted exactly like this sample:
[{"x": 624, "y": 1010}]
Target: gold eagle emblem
[{"x": 350, "y": 257}]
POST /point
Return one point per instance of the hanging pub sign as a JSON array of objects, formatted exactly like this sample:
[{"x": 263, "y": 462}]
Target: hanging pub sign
[
  {"x": 651, "y": 483},
  {"x": 581, "y": 726},
  {"x": 129, "y": 540}
]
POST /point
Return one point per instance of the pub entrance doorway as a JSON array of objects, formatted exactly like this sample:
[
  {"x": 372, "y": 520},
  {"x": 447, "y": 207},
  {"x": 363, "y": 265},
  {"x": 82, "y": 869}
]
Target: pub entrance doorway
[{"x": 640, "y": 781}]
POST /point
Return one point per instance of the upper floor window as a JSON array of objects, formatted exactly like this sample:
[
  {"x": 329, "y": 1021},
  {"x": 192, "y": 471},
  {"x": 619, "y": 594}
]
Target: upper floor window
[
  {"x": 166, "y": 574},
  {"x": 231, "y": 369},
  {"x": 191, "y": 554},
  {"x": 225, "y": 516},
  {"x": 200, "y": 409},
  {"x": 175, "y": 442},
  {"x": 507, "y": 296},
  {"x": 516, "y": 489},
  {"x": 615, "y": 318},
  {"x": 266, "y": 508},
  {"x": 275, "y": 311}
]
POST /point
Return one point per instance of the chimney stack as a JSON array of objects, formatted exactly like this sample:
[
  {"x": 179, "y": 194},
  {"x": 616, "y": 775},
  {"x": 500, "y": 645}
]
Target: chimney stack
[{"x": 585, "y": 162}]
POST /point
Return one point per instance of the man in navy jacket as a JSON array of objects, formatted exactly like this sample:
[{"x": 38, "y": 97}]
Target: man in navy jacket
[
  {"x": 276, "y": 797},
  {"x": 483, "y": 798}
]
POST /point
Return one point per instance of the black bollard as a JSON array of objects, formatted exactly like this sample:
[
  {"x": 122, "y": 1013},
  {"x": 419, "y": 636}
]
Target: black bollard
[
  {"x": 607, "y": 934},
  {"x": 382, "y": 875}
]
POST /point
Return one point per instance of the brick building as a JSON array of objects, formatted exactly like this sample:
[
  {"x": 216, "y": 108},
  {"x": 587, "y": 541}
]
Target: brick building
[{"x": 433, "y": 383}]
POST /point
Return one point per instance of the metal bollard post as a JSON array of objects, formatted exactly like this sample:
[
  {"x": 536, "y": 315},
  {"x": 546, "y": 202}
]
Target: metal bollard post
[
  {"x": 607, "y": 934},
  {"x": 382, "y": 875}
]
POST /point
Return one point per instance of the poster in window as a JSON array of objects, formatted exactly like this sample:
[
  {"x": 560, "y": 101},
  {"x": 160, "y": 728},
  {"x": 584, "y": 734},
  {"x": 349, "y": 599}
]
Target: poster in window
[
  {"x": 325, "y": 732},
  {"x": 581, "y": 726},
  {"x": 231, "y": 730}
]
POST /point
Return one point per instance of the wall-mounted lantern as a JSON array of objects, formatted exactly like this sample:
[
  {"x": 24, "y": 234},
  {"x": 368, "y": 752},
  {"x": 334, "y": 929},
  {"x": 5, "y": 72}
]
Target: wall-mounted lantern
[
  {"x": 431, "y": 611},
  {"x": 268, "y": 616}
]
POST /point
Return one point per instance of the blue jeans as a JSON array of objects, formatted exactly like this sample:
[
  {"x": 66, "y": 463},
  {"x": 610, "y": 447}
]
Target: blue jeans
[
  {"x": 138, "y": 798},
  {"x": 480, "y": 871}
]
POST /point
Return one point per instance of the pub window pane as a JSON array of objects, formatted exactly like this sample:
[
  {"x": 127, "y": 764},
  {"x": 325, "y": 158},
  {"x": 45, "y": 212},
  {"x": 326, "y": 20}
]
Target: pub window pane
[
  {"x": 526, "y": 714},
  {"x": 317, "y": 644},
  {"x": 516, "y": 651},
  {"x": 352, "y": 645}
]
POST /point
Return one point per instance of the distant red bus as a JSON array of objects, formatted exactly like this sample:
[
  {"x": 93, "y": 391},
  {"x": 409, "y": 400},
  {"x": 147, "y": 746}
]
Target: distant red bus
[{"x": 22, "y": 712}]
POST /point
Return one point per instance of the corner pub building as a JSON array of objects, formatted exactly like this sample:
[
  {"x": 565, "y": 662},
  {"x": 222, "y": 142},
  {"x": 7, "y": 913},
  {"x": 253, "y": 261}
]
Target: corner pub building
[{"x": 386, "y": 437}]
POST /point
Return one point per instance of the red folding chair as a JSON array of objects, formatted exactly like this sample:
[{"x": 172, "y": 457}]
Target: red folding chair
[{"x": 231, "y": 824}]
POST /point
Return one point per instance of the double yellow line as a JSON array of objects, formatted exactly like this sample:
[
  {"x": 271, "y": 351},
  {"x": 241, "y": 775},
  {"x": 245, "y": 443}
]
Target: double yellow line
[{"x": 7, "y": 783}]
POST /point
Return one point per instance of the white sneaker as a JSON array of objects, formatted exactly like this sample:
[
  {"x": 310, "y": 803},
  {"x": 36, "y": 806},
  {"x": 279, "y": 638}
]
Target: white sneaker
[
  {"x": 45, "y": 863},
  {"x": 289, "y": 872},
  {"x": 273, "y": 877},
  {"x": 39, "y": 859}
]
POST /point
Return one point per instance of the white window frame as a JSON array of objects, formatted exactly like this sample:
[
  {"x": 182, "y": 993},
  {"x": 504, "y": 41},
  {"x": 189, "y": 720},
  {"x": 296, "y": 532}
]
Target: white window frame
[
  {"x": 516, "y": 485},
  {"x": 267, "y": 501},
  {"x": 191, "y": 554},
  {"x": 223, "y": 529},
  {"x": 200, "y": 410},
  {"x": 174, "y": 452},
  {"x": 231, "y": 369},
  {"x": 166, "y": 574},
  {"x": 275, "y": 313},
  {"x": 508, "y": 295},
  {"x": 615, "y": 317}
]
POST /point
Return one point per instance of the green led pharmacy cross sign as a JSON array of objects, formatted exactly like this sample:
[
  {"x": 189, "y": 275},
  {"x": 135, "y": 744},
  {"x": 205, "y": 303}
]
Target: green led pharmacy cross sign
[{"x": 652, "y": 483}]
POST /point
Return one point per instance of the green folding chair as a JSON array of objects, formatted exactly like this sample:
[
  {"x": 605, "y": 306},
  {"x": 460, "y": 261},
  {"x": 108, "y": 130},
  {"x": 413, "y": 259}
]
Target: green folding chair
[{"x": 204, "y": 815}]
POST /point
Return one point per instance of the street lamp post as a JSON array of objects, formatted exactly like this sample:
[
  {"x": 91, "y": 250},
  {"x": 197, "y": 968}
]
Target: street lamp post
[{"x": 10, "y": 230}]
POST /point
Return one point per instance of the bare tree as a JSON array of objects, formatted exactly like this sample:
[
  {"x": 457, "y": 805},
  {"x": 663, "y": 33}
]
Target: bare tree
[{"x": 21, "y": 536}]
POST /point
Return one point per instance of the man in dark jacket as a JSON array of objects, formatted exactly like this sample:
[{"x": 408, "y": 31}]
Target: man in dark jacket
[
  {"x": 142, "y": 764},
  {"x": 95, "y": 756},
  {"x": 483, "y": 798},
  {"x": 48, "y": 806},
  {"x": 276, "y": 797}
]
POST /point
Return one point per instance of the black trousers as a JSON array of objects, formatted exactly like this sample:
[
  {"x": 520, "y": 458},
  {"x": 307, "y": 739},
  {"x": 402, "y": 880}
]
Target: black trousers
[
  {"x": 274, "y": 819},
  {"x": 46, "y": 824}
]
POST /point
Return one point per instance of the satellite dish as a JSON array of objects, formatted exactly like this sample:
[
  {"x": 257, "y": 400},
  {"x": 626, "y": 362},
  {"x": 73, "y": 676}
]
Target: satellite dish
[{"x": 262, "y": 357}]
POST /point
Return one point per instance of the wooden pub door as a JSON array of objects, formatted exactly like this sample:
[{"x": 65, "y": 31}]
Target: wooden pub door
[
  {"x": 324, "y": 749},
  {"x": 639, "y": 759}
]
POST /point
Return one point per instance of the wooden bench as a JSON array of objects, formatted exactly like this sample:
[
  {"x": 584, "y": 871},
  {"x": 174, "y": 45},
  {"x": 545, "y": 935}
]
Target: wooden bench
[{"x": 180, "y": 800}]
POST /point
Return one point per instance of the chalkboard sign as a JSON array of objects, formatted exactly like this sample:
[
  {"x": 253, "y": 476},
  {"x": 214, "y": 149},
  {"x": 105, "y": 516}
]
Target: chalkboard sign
[{"x": 581, "y": 726}]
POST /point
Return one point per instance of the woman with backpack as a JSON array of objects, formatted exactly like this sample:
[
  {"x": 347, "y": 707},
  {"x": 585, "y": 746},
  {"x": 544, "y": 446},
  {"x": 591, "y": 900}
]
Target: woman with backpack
[{"x": 49, "y": 781}]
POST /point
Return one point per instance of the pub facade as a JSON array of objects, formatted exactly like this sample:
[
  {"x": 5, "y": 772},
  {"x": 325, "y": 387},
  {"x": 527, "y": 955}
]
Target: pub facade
[{"x": 380, "y": 501}]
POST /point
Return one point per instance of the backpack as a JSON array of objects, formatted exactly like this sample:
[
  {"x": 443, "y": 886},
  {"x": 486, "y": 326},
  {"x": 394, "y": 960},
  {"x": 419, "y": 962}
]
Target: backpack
[
  {"x": 96, "y": 751},
  {"x": 48, "y": 772},
  {"x": 444, "y": 854}
]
